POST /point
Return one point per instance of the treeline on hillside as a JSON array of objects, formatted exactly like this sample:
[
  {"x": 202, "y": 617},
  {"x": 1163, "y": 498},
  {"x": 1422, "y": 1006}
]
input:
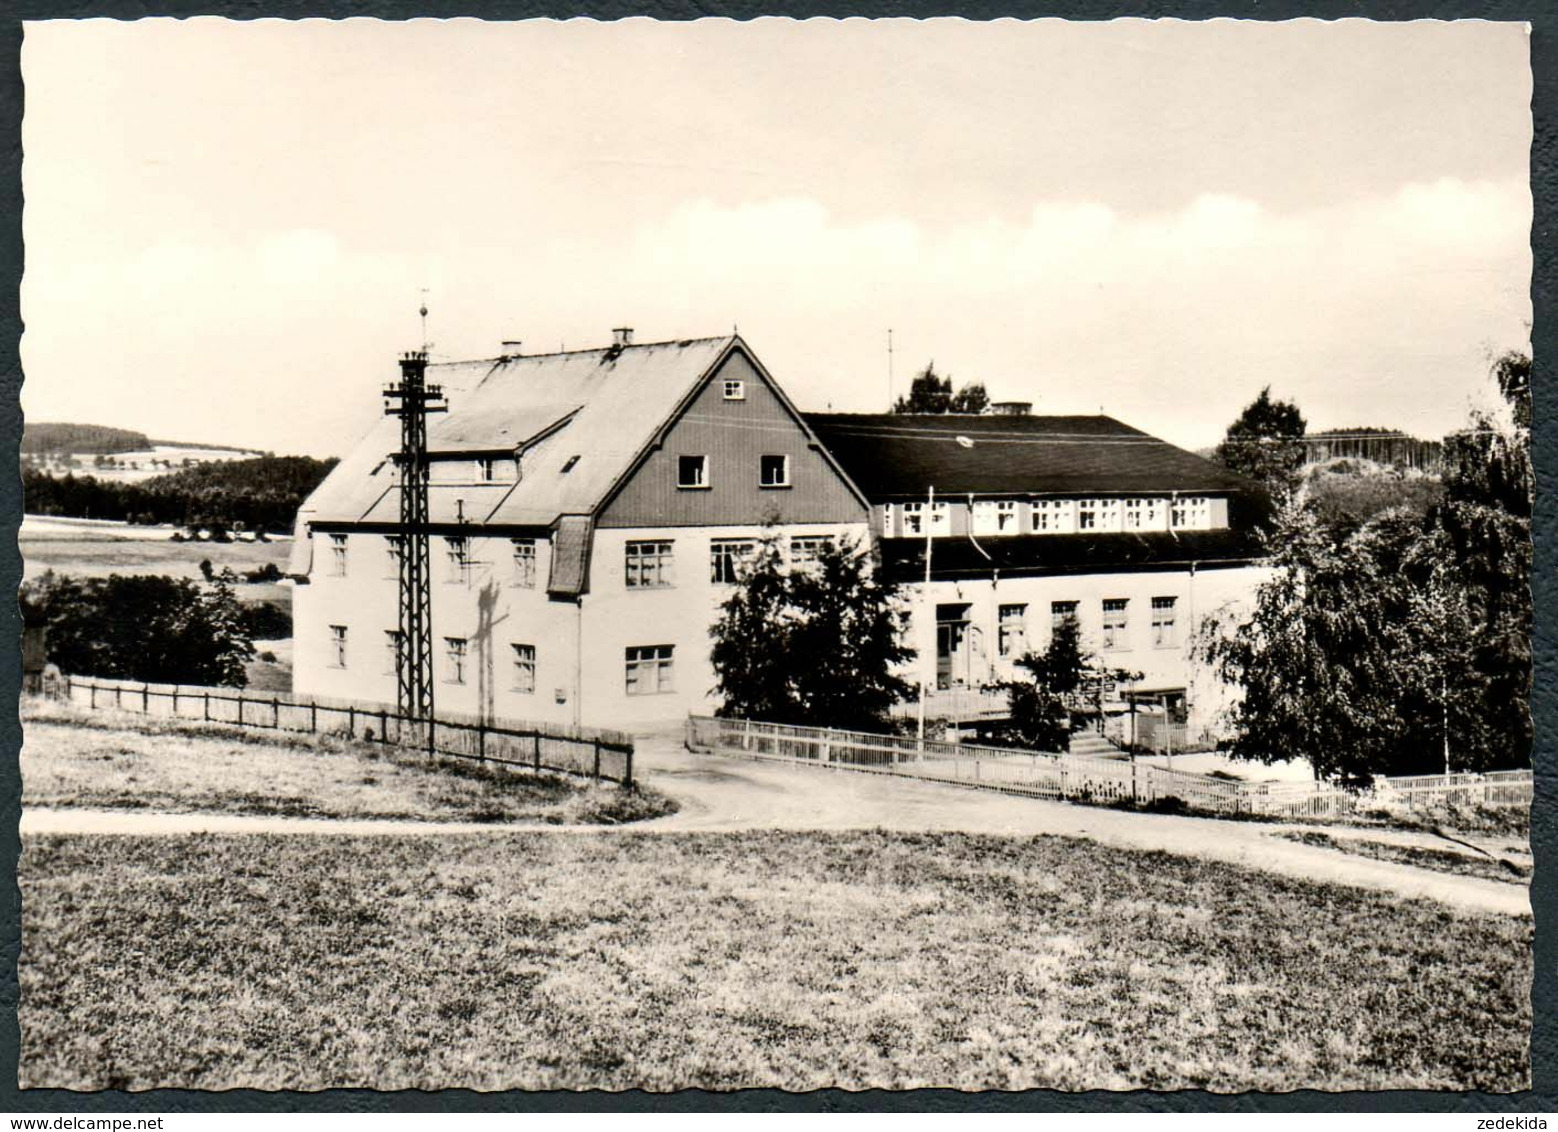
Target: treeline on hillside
[
  {"x": 259, "y": 494},
  {"x": 68, "y": 439}
]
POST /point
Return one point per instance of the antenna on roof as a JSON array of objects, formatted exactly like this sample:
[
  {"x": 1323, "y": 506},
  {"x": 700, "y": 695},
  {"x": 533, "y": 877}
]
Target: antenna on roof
[
  {"x": 422, "y": 310},
  {"x": 889, "y": 369}
]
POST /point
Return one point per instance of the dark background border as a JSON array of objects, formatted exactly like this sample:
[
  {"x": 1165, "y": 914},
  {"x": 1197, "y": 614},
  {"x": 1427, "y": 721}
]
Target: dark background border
[{"x": 1544, "y": 892}]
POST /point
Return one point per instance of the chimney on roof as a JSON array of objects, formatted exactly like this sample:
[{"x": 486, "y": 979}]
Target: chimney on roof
[
  {"x": 1011, "y": 408},
  {"x": 512, "y": 347},
  {"x": 622, "y": 336}
]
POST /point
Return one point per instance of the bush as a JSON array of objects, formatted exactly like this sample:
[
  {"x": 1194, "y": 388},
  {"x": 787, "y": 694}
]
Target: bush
[{"x": 153, "y": 628}]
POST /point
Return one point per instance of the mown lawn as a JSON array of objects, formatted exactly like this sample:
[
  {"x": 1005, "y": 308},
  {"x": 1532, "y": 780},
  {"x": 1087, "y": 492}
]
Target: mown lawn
[
  {"x": 754, "y": 959},
  {"x": 73, "y": 757}
]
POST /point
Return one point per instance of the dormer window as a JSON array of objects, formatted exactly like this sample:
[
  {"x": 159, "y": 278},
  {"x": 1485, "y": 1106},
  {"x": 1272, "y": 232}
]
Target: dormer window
[
  {"x": 735, "y": 391},
  {"x": 692, "y": 471},
  {"x": 484, "y": 469}
]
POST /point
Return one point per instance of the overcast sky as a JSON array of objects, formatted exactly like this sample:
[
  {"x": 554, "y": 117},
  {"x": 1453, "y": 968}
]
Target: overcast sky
[{"x": 229, "y": 225}]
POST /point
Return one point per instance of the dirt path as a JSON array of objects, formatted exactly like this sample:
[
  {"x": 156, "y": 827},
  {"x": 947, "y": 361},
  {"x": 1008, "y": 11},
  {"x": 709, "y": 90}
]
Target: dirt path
[{"x": 726, "y": 794}]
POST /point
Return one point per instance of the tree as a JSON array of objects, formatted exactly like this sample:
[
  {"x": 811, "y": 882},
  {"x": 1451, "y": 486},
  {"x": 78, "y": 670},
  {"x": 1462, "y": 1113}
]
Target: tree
[
  {"x": 817, "y": 645},
  {"x": 1403, "y": 644},
  {"x": 931, "y": 393},
  {"x": 1265, "y": 443},
  {"x": 153, "y": 628},
  {"x": 1040, "y": 719}
]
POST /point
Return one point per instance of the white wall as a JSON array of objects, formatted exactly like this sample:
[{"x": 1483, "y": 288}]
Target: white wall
[
  {"x": 492, "y": 614},
  {"x": 1198, "y": 595},
  {"x": 616, "y": 617}
]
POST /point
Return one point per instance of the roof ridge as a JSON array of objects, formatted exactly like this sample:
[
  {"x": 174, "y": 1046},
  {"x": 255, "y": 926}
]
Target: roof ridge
[{"x": 500, "y": 358}]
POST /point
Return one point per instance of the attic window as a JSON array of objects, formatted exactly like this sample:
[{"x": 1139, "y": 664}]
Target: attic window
[
  {"x": 735, "y": 391},
  {"x": 568, "y": 466},
  {"x": 692, "y": 471}
]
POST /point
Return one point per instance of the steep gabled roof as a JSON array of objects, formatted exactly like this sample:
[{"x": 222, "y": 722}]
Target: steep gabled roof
[
  {"x": 581, "y": 418},
  {"x": 893, "y": 456}
]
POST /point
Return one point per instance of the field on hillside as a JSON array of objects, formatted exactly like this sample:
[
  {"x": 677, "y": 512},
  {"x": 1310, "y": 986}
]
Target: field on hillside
[
  {"x": 722, "y": 961},
  {"x": 98, "y": 549},
  {"x": 111, "y": 760}
]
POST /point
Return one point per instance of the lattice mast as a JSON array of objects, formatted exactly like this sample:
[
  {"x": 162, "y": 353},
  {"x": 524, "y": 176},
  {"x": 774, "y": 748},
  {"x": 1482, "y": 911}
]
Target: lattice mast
[{"x": 412, "y": 400}]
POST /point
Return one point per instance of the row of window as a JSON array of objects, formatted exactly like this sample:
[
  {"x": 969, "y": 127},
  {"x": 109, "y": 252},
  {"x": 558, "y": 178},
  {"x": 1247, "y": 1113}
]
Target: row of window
[
  {"x": 1012, "y": 624},
  {"x": 651, "y": 563},
  {"x": 457, "y": 558},
  {"x": 647, "y": 564},
  {"x": 694, "y": 472},
  {"x": 648, "y": 668},
  {"x": 1056, "y": 516}
]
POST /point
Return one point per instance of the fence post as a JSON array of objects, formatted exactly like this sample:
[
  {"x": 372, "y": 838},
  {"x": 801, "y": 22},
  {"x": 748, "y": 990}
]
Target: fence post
[
  {"x": 351, "y": 722},
  {"x": 313, "y": 718},
  {"x": 597, "y": 760},
  {"x": 240, "y": 711},
  {"x": 145, "y": 698},
  {"x": 92, "y": 690},
  {"x": 207, "y": 712},
  {"x": 275, "y": 713},
  {"x": 383, "y": 727},
  {"x": 175, "y": 701},
  {"x": 118, "y": 695},
  {"x": 481, "y": 743},
  {"x": 536, "y": 736}
]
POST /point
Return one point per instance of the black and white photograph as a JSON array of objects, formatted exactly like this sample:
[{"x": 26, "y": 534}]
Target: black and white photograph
[{"x": 776, "y": 554}]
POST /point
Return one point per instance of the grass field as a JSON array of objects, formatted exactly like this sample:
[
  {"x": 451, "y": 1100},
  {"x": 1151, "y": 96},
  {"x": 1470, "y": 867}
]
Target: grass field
[
  {"x": 96, "y": 554},
  {"x": 71, "y": 757},
  {"x": 751, "y": 959}
]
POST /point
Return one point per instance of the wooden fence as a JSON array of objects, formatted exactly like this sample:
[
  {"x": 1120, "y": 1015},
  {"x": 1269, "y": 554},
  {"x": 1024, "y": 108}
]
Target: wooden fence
[
  {"x": 1078, "y": 778},
  {"x": 598, "y": 754}
]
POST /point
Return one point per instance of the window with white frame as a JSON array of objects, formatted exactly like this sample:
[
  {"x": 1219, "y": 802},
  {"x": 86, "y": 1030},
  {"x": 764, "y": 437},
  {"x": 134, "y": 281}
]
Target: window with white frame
[
  {"x": 1115, "y": 624},
  {"x": 1098, "y": 514},
  {"x": 648, "y": 564},
  {"x": 805, "y": 550},
  {"x": 1053, "y": 516},
  {"x": 773, "y": 471},
  {"x": 913, "y": 518},
  {"x": 338, "y": 555},
  {"x": 525, "y": 669},
  {"x": 485, "y": 469},
  {"x": 525, "y": 563},
  {"x": 1012, "y": 630},
  {"x": 1144, "y": 514},
  {"x": 995, "y": 517},
  {"x": 1164, "y": 629},
  {"x": 735, "y": 390},
  {"x": 1060, "y": 612},
  {"x": 1190, "y": 513},
  {"x": 692, "y": 471},
  {"x": 394, "y": 548},
  {"x": 727, "y": 558},
  {"x": 940, "y": 519},
  {"x": 649, "y": 670},
  {"x": 455, "y": 651},
  {"x": 1087, "y": 514},
  {"x": 392, "y": 639},
  {"x": 457, "y": 554},
  {"x": 338, "y": 646}
]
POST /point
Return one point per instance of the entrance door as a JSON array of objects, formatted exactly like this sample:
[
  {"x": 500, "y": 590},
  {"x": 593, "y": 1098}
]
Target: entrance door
[{"x": 951, "y": 645}]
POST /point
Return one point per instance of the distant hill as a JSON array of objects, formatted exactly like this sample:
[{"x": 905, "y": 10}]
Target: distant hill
[
  {"x": 69, "y": 439},
  {"x": 262, "y": 493},
  {"x": 293, "y": 476}
]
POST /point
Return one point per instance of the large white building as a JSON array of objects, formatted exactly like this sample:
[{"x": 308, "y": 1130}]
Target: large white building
[{"x": 589, "y": 510}]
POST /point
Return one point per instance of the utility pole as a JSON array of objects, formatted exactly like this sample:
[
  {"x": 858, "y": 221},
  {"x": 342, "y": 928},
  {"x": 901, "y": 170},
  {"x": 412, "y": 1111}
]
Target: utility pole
[
  {"x": 930, "y": 511},
  {"x": 889, "y": 369},
  {"x": 412, "y": 400}
]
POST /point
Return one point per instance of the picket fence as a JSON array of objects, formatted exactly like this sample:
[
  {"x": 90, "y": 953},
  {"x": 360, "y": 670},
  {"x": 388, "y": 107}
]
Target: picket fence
[
  {"x": 598, "y": 754},
  {"x": 1083, "y": 779}
]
